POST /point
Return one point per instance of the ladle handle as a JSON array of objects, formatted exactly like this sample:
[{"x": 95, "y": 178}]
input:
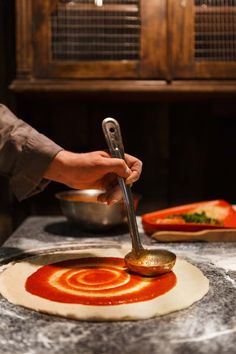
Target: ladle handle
[{"x": 111, "y": 130}]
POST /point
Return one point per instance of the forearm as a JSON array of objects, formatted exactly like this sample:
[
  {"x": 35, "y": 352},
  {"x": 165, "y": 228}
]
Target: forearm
[{"x": 25, "y": 154}]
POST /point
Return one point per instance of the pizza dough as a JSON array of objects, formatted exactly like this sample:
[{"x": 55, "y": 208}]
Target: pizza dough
[{"x": 191, "y": 286}]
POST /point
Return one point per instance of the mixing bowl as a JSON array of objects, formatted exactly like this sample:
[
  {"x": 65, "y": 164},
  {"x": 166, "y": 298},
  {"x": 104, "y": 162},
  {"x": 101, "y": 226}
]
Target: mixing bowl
[{"x": 81, "y": 207}]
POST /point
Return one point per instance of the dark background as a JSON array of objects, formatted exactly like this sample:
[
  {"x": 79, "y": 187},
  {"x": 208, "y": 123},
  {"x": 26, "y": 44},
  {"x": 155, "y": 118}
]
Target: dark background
[{"x": 187, "y": 143}]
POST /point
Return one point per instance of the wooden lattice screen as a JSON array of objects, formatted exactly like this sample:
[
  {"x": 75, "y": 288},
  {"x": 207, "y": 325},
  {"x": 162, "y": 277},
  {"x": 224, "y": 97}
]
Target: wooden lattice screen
[
  {"x": 215, "y": 30},
  {"x": 96, "y": 30}
]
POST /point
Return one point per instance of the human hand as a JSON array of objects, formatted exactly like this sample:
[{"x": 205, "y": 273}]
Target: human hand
[{"x": 94, "y": 170}]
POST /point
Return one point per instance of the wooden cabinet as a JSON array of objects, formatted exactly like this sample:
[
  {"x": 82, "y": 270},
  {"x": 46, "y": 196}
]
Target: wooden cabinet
[
  {"x": 92, "y": 38},
  {"x": 202, "y": 36},
  {"x": 114, "y": 40}
]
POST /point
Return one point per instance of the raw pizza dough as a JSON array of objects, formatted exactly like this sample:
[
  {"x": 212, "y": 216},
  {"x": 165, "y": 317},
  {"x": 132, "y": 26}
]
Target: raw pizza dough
[{"x": 191, "y": 286}]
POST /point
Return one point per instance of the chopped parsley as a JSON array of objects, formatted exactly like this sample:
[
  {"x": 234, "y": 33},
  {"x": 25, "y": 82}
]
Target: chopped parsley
[{"x": 196, "y": 218}]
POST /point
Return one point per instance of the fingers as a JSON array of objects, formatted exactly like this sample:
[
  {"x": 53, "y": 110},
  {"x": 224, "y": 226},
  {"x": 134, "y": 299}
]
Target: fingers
[
  {"x": 113, "y": 193},
  {"x": 130, "y": 169},
  {"x": 112, "y": 196},
  {"x": 135, "y": 166},
  {"x": 117, "y": 166},
  {"x": 109, "y": 181}
]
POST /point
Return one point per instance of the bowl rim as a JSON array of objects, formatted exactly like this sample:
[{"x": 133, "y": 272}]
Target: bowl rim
[{"x": 87, "y": 192}]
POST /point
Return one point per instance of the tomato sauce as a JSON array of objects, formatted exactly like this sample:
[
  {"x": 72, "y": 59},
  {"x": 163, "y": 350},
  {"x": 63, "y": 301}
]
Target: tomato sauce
[
  {"x": 99, "y": 281},
  {"x": 81, "y": 198}
]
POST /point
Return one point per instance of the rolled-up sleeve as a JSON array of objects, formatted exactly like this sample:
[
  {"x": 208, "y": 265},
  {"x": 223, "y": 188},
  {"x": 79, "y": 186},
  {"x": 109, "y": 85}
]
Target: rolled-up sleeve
[{"x": 25, "y": 155}]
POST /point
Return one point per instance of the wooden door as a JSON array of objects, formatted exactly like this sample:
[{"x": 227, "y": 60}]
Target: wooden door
[
  {"x": 99, "y": 39},
  {"x": 202, "y": 38}
]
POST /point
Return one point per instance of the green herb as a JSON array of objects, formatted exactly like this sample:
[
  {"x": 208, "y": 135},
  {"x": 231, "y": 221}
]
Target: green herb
[{"x": 196, "y": 218}]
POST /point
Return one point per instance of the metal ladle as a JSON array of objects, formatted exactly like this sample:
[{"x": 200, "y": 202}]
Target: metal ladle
[{"x": 139, "y": 260}]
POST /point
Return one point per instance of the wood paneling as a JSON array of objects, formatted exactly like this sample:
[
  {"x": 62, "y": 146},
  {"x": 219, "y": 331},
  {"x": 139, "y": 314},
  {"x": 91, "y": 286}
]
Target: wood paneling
[{"x": 24, "y": 54}]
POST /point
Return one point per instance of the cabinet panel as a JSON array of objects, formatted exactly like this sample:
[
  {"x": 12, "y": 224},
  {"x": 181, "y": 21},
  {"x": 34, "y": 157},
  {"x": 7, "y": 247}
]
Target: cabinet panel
[
  {"x": 99, "y": 39},
  {"x": 132, "y": 40},
  {"x": 202, "y": 38}
]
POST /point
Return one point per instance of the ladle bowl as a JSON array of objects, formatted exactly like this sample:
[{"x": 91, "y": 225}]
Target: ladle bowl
[{"x": 150, "y": 262}]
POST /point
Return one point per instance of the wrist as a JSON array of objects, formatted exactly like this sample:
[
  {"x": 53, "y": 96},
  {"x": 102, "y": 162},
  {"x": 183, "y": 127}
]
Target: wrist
[{"x": 57, "y": 167}]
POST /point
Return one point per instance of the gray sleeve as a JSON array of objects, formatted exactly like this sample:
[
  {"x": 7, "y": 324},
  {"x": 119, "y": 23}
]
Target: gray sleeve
[{"x": 25, "y": 155}]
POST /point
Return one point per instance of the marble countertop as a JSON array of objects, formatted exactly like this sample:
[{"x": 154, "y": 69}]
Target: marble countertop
[{"x": 208, "y": 326}]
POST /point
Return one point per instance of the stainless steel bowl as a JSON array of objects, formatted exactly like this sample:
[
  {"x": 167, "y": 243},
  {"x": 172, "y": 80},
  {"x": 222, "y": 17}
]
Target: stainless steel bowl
[{"x": 81, "y": 207}]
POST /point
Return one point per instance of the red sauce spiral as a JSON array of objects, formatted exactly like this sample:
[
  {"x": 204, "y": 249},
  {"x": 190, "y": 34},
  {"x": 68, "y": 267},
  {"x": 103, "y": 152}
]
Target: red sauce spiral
[{"x": 96, "y": 281}]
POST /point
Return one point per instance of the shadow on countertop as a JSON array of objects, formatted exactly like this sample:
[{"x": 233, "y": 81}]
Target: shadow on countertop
[
  {"x": 9, "y": 254},
  {"x": 67, "y": 229}
]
